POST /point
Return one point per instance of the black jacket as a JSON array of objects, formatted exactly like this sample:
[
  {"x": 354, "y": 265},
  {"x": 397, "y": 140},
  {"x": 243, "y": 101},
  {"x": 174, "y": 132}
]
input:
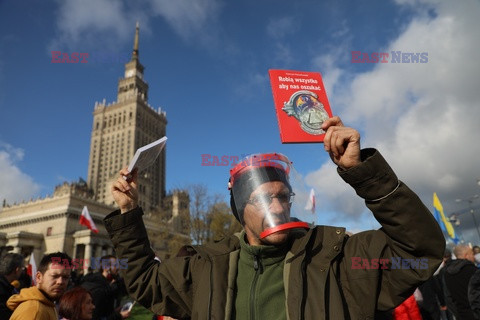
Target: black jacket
[
  {"x": 474, "y": 294},
  {"x": 432, "y": 296},
  {"x": 103, "y": 296},
  {"x": 457, "y": 276},
  {"x": 6, "y": 290}
]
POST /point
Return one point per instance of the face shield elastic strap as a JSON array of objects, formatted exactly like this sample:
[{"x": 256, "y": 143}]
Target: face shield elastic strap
[{"x": 286, "y": 226}]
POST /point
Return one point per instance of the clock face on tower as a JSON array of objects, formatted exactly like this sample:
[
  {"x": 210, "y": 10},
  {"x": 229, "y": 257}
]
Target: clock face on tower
[{"x": 133, "y": 72}]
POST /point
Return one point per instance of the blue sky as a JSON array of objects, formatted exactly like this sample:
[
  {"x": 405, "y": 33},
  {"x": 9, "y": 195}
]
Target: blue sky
[{"x": 207, "y": 66}]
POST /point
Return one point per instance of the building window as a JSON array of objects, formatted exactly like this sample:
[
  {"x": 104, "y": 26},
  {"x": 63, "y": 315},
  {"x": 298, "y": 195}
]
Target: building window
[{"x": 49, "y": 231}]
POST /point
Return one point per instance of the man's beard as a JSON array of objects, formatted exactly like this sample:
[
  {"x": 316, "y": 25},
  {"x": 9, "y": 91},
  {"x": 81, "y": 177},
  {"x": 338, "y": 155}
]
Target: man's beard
[{"x": 54, "y": 297}]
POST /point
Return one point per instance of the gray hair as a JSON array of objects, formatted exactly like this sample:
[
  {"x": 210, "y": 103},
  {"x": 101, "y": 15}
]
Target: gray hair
[{"x": 10, "y": 262}]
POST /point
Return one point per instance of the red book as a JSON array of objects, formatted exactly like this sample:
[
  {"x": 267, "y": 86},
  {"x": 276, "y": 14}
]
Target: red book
[{"x": 301, "y": 105}]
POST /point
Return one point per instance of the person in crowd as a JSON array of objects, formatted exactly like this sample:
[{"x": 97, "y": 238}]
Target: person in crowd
[
  {"x": 76, "y": 304},
  {"x": 433, "y": 299},
  {"x": 476, "y": 253},
  {"x": 447, "y": 306},
  {"x": 277, "y": 268},
  {"x": 117, "y": 283},
  {"x": 11, "y": 266},
  {"x": 25, "y": 280},
  {"x": 474, "y": 294},
  {"x": 38, "y": 302},
  {"x": 457, "y": 277},
  {"x": 105, "y": 287},
  {"x": 77, "y": 277},
  {"x": 476, "y": 249}
]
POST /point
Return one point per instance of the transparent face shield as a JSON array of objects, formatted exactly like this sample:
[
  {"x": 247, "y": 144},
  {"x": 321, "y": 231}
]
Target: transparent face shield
[{"x": 264, "y": 191}]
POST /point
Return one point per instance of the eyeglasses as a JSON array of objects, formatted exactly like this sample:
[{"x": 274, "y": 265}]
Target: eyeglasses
[{"x": 266, "y": 200}]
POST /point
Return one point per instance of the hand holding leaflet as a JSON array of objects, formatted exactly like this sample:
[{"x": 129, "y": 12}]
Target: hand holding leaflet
[{"x": 146, "y": 155}]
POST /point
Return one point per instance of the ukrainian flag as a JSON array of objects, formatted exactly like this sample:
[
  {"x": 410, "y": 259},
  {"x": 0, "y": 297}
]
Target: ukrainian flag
[{"x": 444, "y": 223}]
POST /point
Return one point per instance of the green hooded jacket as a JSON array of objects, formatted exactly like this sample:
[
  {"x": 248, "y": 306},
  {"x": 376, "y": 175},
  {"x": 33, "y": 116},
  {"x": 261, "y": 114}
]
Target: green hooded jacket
[{"x": 327, "y": 274}]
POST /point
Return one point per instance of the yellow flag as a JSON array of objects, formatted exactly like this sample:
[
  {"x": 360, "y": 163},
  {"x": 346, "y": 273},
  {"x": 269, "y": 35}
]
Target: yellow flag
[{"x": 441, "y": 219}]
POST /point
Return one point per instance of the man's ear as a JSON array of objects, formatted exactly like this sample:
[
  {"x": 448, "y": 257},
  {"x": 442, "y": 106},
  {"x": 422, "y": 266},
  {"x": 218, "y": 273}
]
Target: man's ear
[{"x": 38, "y": 277}]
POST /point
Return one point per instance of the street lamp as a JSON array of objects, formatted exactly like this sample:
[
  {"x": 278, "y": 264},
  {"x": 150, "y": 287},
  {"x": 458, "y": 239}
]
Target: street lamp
[{"x": 470, "y": 201}]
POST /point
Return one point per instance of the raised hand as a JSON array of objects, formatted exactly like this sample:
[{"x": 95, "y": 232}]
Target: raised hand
[
  {"x": 124, "y": 190},
  {"x": 342, "y": 143}
]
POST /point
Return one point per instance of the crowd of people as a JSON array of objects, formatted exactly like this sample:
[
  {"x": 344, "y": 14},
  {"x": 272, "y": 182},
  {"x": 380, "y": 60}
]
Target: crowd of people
[
  {"x": 59, "y": 293},
  {"x": 453, "y": 292},
  {"x": 278, "y": 267}
]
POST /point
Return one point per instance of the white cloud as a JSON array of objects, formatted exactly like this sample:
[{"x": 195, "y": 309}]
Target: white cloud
[
  {"x": 417, "y": 2},
  {"x": 337, "y": 202},
  {"x": 247, "y": 89},
  {"x": 83, "y": 25},
  {"x": 16, "y": 185},
  {"x": 187, "y": 18},
  {"x": 282, "y": 55},
  {"x": 106, "y": 24},
  {"x": 331, "y": 73},
  {"x": 281, "y": 27},
  {"x": 342, "y": 31},
  {"x": 422, "y": 117}
]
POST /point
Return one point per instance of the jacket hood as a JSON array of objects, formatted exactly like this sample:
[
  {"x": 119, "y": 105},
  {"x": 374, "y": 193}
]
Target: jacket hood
[
  {"x": 455, "y": 266},
  {"x": 5, "y": 284},
  {"x": 32, "y": 293}
]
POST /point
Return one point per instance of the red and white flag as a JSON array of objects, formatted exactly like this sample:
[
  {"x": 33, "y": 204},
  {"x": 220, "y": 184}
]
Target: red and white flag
[
  {"x": 32, "y": 269},
  {"x": 86, "y": 220},
  {"x": 311, "y": 202}
]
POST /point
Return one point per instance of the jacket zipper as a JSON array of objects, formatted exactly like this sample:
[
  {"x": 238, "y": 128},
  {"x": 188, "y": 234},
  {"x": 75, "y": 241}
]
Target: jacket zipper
[
  {"x": 210, "y": 291},
  {"x": 252, "y": 289},
  {"x": 303, "y": 301},
  {"x": 303, "y": 276}
]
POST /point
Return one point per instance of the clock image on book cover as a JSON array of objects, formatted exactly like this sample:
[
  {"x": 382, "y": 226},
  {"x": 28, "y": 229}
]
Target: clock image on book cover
[{"x": 305, "y": 107}]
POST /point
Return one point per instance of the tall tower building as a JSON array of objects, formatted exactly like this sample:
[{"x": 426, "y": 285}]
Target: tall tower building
[{"x": 119, "y": 129}]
